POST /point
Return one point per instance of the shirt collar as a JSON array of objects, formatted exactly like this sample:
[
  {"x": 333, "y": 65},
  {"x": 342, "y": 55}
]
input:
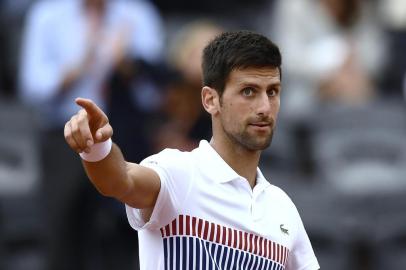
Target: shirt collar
[
  {"x": 214, "y": 166},
  {"x": 262, "y": 183}
]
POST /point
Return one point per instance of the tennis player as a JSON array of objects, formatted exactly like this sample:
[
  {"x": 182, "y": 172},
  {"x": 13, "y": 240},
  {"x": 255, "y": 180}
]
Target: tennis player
[{"x": 210, "y": 208}]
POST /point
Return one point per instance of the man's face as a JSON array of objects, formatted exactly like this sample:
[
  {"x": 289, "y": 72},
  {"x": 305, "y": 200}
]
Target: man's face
[{"x": 249, "y": 107}]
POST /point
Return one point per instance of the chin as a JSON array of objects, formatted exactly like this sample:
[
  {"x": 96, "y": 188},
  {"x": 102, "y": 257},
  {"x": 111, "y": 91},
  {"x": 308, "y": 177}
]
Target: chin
[
  {"x": 257, "y": 145},
  {"x": 261, "y": 147},
  {"x": 251, "y": 142}
]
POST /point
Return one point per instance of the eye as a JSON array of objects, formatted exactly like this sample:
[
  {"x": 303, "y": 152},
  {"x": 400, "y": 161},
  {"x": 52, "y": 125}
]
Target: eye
[
  {"x": 272, "y": 92},
  {"x": 247, "y": 92}
]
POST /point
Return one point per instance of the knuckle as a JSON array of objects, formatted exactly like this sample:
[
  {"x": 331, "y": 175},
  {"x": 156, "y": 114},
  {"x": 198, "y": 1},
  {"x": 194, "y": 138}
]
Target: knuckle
[
  {"x": 74, "y": 129},
  {"x": 82, "y": 118},
  {"x": 67, "y": 133},
  {"x": 77, "y": 135},
  {"x": 71, "y": 143},
  {"x": 81, "y": 121}
]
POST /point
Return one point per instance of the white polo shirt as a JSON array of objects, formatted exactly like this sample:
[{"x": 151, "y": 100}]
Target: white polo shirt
[{"x": 207, "y": 217}]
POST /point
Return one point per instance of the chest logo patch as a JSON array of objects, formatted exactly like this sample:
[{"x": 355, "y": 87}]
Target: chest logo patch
[{"x": 284, "y": 230}]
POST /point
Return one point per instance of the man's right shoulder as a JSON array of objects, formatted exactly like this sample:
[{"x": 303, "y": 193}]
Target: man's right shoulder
[{"x": 169, "y": 158}]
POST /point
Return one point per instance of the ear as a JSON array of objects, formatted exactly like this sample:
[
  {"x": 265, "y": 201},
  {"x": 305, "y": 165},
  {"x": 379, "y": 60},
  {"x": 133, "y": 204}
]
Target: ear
[{"x": 210, "y": 100}]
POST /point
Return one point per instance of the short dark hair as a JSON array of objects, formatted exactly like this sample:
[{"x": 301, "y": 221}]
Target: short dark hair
[{"x": 237, "y": 50}]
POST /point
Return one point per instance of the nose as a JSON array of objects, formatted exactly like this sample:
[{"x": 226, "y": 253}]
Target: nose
[{"x": 263, "y": 106}]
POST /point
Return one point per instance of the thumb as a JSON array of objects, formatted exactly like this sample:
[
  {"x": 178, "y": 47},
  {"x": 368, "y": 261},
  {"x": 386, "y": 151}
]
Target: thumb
[{"x": 104, "y": 133}]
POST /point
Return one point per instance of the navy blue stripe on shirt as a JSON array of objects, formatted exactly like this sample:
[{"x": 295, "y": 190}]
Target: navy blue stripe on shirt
[{"x": 190, "y": 243}]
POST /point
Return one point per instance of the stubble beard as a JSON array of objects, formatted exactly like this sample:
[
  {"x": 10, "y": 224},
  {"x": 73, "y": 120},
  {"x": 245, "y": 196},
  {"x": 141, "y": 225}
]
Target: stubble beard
[
  {"x": 249, "y": 141},
  {"x": 245, "y": 140}
]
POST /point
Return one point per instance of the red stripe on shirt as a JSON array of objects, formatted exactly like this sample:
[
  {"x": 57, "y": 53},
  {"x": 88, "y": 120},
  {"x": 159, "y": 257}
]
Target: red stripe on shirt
[
  {"x": 252, "y": 243},
  {"x": 181, "y": 225}
]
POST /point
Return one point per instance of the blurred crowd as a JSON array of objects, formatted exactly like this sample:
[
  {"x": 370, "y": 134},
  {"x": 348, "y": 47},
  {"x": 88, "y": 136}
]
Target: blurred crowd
[{"x": 339, "y": 147}]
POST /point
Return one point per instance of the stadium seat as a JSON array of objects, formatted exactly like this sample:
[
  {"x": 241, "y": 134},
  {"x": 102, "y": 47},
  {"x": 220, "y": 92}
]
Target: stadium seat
[{"x": 21, "y": 220}]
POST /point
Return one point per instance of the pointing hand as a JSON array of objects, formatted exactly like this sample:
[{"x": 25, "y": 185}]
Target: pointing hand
[{"x": 89, "y": 126}]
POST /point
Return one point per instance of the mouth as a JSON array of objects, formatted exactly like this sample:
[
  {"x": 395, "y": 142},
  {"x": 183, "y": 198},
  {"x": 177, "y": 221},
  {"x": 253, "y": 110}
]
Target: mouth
[
  {"x": 261, "y": 126},
  {"x": 261, "y": 123}
]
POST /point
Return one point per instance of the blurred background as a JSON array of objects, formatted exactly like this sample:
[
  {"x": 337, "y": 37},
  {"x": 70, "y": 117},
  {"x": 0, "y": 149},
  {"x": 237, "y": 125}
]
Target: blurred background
[{"x": 339, "y": 149}]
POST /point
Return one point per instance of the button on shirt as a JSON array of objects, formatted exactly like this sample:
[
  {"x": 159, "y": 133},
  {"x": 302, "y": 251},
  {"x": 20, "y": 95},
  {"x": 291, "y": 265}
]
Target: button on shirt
[{"x": 207, "y": 217}]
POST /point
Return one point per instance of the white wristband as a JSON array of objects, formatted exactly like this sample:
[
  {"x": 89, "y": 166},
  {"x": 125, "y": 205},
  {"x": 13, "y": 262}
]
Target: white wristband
[{"x": 98, "y": 151}]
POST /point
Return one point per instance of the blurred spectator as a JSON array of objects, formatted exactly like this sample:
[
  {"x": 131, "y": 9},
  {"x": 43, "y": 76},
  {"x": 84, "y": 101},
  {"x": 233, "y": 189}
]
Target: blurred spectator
[
  {"x": 333, "y": 51},
  {"x": 393, "y": 13},
  {"x": 393, "y": 16},
  {"x": 187, "y": 123},
  {"x": 208, "y": 6},
  {"x": 135, "y": 95},
  {"x": 71, "y": 48}
]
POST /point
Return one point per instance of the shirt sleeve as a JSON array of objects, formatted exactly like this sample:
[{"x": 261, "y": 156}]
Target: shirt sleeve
[
  {"x": 302, "y": 256},
  {"x": 173, "y": 168}
]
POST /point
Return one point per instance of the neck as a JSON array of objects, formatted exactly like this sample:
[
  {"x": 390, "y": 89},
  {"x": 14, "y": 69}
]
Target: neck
[{"x": 241, "y": 160}]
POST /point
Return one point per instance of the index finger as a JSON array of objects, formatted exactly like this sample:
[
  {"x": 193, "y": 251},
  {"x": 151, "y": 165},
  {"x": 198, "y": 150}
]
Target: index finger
[{"x": 91, "y": 108}]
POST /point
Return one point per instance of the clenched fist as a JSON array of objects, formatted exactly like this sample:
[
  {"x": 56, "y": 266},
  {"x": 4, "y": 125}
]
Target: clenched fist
[{"x": 89, "y": 126}]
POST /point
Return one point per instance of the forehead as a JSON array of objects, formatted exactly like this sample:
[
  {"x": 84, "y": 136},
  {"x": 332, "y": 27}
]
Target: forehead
[{"x": 263, "y": 75}]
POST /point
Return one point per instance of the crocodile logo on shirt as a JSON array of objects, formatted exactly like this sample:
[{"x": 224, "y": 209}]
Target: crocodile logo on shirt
[
  {"x": 153, "y": 162},
  {"x": 284, "y": 230}
]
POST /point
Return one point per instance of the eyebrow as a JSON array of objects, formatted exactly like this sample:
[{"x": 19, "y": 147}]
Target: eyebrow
[{"x": 255, "y": 85}]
